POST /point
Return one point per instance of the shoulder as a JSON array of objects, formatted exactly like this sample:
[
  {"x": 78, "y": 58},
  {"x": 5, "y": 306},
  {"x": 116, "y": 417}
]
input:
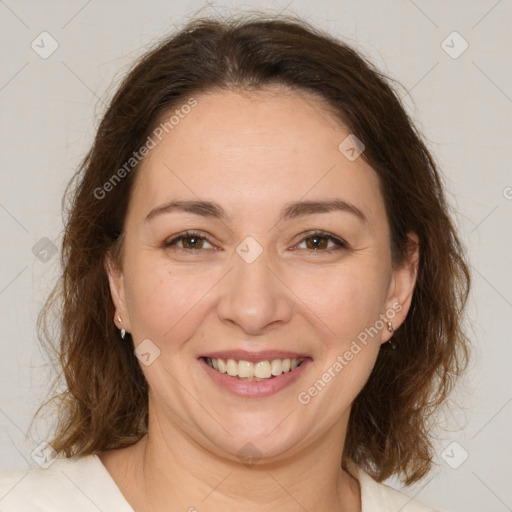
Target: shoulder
[
  {"x": 379, "y": 497},
  {"x": 81, "y": 484}
]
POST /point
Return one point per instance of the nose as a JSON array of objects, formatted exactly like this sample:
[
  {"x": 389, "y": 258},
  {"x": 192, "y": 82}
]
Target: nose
[{"x": 254, "y": 298}]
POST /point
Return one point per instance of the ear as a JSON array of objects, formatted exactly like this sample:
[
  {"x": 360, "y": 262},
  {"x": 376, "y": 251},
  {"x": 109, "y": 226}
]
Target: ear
[
  {"x": 402, "y": 287},
  {"x": 118, "y": 292}
]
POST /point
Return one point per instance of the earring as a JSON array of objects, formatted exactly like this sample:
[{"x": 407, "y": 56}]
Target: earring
[
  {"x": 391, "y": 330},
  {"x": 123, "y": 330}
]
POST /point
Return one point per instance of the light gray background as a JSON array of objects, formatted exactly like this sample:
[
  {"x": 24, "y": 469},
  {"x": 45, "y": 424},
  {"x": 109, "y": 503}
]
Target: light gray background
[{"x": 50, "y": 108}]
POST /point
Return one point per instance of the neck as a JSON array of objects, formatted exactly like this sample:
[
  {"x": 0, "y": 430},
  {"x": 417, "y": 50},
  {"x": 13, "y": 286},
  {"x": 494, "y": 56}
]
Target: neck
[{"x": 181, "y": 475}]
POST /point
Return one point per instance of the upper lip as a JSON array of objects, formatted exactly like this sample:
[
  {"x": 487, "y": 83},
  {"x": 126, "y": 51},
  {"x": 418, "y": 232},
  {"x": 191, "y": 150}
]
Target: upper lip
[{"x": 254, "y": 357}]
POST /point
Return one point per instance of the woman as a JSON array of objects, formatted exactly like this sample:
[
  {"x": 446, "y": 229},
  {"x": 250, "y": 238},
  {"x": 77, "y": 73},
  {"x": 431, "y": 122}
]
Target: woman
[{"x": 262, "y": 287}]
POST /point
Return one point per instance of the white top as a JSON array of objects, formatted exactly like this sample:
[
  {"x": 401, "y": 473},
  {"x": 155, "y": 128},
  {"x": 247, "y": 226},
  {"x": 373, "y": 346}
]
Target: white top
[{"x": 83, "y": 484}]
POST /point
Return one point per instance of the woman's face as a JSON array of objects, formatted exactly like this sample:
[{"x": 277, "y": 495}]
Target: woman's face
[{"x": 253, "y": 276}]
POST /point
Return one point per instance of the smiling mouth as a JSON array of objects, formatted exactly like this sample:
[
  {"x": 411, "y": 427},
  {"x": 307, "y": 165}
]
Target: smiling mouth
[{"x": 249, "y": 371}]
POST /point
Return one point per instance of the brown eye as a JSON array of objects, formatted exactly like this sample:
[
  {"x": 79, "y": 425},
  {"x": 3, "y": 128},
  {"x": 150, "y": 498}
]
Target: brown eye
[
  {"x": 189, "y": 241},
  {"x": 192, "y": 242},
  {"x": 319, "y": 241}
]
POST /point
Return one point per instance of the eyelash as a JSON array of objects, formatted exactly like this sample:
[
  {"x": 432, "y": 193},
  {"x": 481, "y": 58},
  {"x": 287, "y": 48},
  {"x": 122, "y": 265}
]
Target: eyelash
[{"x": 341, "y": 244}]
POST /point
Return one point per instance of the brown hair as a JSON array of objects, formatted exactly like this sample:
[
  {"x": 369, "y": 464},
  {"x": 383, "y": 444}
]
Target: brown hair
[{"x": 105, "y": 405}]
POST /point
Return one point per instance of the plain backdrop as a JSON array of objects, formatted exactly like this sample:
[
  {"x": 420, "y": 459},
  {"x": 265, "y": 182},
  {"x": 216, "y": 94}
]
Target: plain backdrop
[{"x": 453, "y": 59}]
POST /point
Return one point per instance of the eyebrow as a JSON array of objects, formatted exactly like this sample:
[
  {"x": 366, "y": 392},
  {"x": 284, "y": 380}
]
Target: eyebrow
[{"x": 290, "y": 210}]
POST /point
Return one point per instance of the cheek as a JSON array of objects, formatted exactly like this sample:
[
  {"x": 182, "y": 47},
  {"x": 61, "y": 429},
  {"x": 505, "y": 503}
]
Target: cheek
[
  {"x": 347, "y": 300},
  {"x": 349, "y": 303},
  {"x": 164, "y": 303}
]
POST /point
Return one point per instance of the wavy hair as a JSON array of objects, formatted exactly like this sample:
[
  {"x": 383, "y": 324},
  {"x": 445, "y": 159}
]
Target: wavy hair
[{"x": 105, "y": 401}]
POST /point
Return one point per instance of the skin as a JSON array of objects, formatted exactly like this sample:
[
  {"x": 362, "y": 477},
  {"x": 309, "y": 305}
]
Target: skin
[{"x": 252, "y": 153}]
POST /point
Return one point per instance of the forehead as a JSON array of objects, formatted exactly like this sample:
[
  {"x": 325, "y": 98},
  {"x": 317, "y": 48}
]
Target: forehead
[{"x": 254, "y": 149}]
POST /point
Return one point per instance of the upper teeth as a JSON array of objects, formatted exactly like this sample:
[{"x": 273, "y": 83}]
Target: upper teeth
[{"x": 260, "y": 370}]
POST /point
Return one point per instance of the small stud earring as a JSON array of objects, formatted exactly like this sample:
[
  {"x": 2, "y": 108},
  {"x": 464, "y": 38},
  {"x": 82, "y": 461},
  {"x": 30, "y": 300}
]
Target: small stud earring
[
  {"x": 123, "y": 330},
  {"x": 391, "y": 330}
]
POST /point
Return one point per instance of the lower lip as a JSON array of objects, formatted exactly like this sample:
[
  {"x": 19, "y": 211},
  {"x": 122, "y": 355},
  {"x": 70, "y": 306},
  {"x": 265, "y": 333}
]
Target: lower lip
[{"x": 254, "y": 389}]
